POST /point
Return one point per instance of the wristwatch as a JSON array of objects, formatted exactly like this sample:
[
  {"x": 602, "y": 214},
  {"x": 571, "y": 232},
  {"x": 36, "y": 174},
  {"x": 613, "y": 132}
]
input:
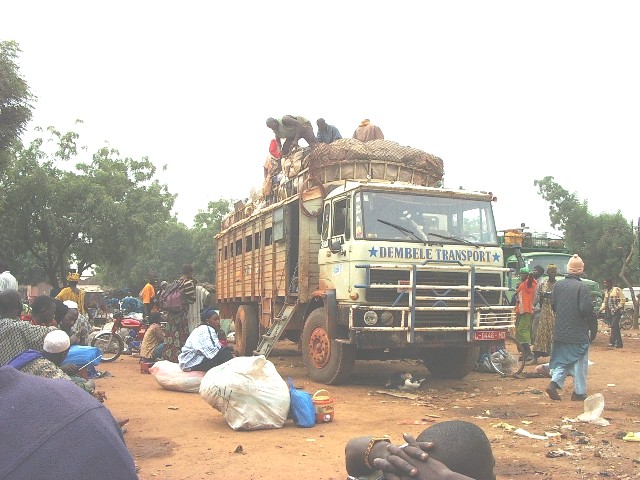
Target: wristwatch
[{"x": 372, "y": 442}]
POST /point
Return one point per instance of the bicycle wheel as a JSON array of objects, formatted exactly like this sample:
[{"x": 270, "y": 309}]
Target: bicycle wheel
[
  {"x": 109, "y": 344},
  {"x": 507, "y": 357},
  {"x": 626, "y": 321}
]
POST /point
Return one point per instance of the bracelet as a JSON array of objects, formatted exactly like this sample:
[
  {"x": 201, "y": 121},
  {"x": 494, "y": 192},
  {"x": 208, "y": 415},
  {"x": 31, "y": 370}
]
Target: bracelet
[{"x": 372, "y": 442}]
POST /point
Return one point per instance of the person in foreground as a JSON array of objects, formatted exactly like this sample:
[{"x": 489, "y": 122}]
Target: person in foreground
[
  {"x": 451, "y": 450},
  {"x": 571, "y": 302},
  {"x": 40, "y": 416},
  {"x": 203, "y": 349}
]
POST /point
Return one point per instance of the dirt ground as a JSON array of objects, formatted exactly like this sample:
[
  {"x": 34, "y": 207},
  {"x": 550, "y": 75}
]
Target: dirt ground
[{"x": 175, "y": 435}]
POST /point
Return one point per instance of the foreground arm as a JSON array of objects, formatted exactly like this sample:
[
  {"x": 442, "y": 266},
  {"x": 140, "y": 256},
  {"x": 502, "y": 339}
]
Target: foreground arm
[
  {"x": 413, "y": 462},
  {"x": 398, "y": 459}
]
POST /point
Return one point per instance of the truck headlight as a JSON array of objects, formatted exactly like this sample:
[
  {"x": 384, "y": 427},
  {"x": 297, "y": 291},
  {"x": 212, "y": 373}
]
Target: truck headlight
[
  {"x": 370, "y": 318},
  {"x": 386, "y": 318}
]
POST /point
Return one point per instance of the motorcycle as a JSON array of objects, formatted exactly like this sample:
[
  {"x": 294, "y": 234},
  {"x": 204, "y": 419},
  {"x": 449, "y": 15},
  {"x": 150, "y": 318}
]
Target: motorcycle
[{"x": 125, "y": 336}]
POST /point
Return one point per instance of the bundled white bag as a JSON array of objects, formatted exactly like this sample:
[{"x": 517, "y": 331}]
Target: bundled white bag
[
  {"x": 170, "y": 376},
  {"x": 249, "y": 392}
]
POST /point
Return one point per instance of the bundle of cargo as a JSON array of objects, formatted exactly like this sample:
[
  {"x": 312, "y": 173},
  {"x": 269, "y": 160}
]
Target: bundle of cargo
[{"x": 351, "y": 159}]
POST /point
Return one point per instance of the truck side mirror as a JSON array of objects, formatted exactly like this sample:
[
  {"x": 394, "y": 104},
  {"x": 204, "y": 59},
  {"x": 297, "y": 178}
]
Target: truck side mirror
[{"x": 335, "y": 245}]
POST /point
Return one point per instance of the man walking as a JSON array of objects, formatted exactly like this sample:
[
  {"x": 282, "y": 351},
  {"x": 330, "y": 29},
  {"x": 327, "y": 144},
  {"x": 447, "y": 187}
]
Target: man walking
[
  {"x": 571, "y": 302},
  {"x": 613, "y": 306}
]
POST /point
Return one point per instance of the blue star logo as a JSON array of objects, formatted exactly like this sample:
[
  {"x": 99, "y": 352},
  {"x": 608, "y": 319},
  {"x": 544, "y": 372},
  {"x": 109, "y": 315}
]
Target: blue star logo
[
  {"x": 496, "y": 257},
  {"x": 373, "y": 252}
]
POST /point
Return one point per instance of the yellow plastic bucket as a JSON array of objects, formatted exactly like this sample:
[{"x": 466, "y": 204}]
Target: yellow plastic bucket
[{"x": 323, "y": 404}]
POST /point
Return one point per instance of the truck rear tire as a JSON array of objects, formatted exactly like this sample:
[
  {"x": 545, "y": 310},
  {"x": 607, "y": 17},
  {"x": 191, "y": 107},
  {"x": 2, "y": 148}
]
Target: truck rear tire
[
  {"x": 451, "y": 362},
  {"x": 327, "y": 361},
  {"x": 247, "y": 331}
]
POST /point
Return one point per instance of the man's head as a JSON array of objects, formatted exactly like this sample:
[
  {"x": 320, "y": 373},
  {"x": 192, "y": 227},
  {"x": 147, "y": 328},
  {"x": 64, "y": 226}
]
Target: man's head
[
  {"x": 608, "y": 283},
  {"x": 187, "y": 270},
  {"x": 575, "y": 266},
  {"x": 272, "y": 123},
  {"x": 209, "y": 316},
  {"x": 56, "y": 346},
  {"x": 61, "y": 311},
  {"x": 463, "y": 447},
  {"x": 155, "y": 317},
  {"x": 538, "y": 271},
  {"x": 10, "y": 304},
  {"x": 72, "y": 314},
  {"x": 322, "y": 125},
  {"x": 43, "y": 310}
]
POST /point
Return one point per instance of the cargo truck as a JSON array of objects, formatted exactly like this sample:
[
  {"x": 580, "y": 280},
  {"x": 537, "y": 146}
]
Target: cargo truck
[{"x": 358, "y": 254}]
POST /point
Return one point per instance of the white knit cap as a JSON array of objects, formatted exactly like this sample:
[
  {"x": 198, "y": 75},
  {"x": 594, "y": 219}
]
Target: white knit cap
[
  {"x": 56, "y": 341},
  {"x": 71, "y": 304}
]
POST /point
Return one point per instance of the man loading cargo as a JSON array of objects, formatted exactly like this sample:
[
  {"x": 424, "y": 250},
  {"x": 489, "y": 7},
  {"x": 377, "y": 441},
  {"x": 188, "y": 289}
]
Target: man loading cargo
[{"x": 291, "y": 128}]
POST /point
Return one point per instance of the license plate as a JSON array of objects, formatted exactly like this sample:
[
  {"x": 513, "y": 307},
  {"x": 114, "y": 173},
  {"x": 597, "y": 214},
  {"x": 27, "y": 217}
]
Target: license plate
[{"x": 489, "y": 334}]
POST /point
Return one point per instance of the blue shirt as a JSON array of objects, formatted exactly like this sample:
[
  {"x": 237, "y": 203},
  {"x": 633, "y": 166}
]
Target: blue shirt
[
  {"x": 329, "y": 135},
  {"x": 202, "y": 343}
]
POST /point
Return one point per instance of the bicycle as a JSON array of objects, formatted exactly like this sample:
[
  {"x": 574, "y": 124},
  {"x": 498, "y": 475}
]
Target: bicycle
[{"x": 505, "y": 357}]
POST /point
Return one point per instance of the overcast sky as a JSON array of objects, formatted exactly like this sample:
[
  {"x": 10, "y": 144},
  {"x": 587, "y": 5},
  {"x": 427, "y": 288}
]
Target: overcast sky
[{"x": 504, "y": 92}]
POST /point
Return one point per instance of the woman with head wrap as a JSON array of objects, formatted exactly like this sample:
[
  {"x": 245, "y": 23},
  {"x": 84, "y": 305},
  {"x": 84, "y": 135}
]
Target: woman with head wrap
[
  {"x": 203, "y": 350},
  {"x": 72, "y": 292},
  {"x": 544, "y": 333},
  {"x": 525, "y": 294},
  {"x": 177, "y": 329}
]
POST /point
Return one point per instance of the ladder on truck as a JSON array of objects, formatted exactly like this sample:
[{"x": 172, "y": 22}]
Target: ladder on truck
[{"x": 270, "y": 338}]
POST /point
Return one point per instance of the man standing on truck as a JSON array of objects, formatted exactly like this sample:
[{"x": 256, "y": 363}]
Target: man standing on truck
[
  {"x": 367, "y": 131},
  {"x": 291, "y": 128},
  {"x": 327, "y": 133}
]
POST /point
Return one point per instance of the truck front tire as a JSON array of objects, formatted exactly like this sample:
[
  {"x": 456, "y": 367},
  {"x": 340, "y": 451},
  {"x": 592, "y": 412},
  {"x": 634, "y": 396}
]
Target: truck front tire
[
  {"x": 247, "y": 331},
  {"x": 451, "y": 362},
  {"x": 327, "y": 361}
]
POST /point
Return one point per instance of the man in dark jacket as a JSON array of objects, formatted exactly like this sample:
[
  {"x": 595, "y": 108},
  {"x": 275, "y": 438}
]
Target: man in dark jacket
[{"x": 571, "y": 302}]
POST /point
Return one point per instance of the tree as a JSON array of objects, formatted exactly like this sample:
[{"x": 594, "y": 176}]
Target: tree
[
  {"x": 168, "y": 246},
  {"x": 15, "y": 100},
  {"x": 206, "y": 226},
  {"x": 603, "y": 241},
  {"x": 97, "y": 213}
]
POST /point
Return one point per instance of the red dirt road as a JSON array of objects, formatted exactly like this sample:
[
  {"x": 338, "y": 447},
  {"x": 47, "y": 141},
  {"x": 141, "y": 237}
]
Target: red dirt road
[{"x": 175, "y": 435}]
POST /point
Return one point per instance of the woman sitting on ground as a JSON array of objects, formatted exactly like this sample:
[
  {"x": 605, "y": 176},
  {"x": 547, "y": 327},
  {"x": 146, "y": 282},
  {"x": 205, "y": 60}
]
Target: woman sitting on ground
[
  {"x": 203, "y": 349},
  {"x": 152, "y": 343}
]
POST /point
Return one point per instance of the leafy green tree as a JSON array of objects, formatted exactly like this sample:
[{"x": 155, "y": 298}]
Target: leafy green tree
[
  {"x": 97, "y": 213},
  {"x": 206, "y": 226},
  {"x": 603, "y": 241},
  {"x": 15, "y": 100},
  {"x": 167, "y": 247}
]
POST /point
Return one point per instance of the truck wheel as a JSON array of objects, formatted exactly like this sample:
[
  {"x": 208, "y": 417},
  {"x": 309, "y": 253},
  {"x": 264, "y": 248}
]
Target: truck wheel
[
  {"x": 327, "y": 361},
  {"x": 452, "y": 362},
  {"x": 246, "y": 324}
]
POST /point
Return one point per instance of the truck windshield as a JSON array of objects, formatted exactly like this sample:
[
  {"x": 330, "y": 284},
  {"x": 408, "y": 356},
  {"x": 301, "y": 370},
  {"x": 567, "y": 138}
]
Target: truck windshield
[{"x": 418, "y": 218}]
